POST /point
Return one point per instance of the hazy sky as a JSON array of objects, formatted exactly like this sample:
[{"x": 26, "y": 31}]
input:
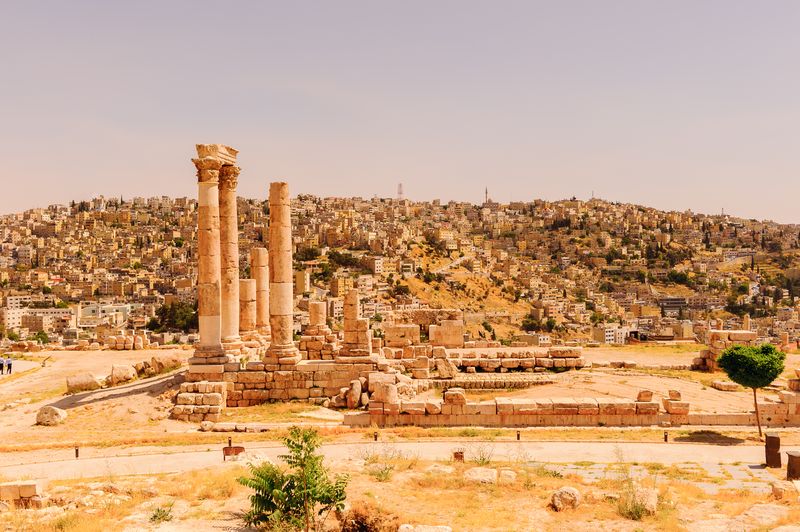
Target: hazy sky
[{"x": 673, "y": 104}]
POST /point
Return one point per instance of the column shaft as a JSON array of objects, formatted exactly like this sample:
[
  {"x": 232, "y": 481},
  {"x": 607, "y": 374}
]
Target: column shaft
[
  {"x": 229, "y": 256},
  {"x": 208, "y": 268},
  {"x": 281, "y": 296},
  {"x": 247, "y": 305},
  {"x": 259, "y": 270}
]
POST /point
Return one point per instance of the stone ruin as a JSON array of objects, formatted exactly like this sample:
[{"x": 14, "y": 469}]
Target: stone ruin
[{"x": 247, "y": 355}]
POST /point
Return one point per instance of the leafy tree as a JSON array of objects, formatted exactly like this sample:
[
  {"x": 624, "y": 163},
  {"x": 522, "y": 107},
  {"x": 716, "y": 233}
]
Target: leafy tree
[
  {"x": 531, "y": 324},
  {"x": 343, "y": 259},
  {"x": 306, "y": 254},
  {"x": 753, "y": 367},
  {"x": 14, "y": 337},
  {"x": 41, "y": 337},
  {"x": 301, "y": 496},
  {"x": 401, "y": 290},
  {"x": 175, "y": 316}
]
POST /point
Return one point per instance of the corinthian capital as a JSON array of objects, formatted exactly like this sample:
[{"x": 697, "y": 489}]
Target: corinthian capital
[
  {"x": 207, "y": 169},
  {"x": 228, "y": 176}
]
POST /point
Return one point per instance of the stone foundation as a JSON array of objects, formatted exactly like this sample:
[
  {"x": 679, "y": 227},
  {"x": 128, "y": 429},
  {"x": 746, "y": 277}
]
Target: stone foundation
[
  {"x": 308, "y": 379},
  {"x": 719, "y": 341}
]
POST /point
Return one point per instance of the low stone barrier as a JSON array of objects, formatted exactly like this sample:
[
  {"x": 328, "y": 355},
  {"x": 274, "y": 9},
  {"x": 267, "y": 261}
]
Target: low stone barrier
[
  {"x": 454, "y": 410},
  {"x": 23, "y": 494}
]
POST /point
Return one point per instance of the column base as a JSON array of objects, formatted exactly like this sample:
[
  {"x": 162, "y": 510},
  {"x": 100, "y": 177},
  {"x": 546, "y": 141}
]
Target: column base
[
  {"x": 233, "y": 347},
  {"x": 283, "y": 355},
  {"x": 209, "y": 351}
]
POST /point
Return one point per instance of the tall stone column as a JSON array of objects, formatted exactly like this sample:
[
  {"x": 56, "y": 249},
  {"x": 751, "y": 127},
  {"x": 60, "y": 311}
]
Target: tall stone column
[
  {"x": 259, "y": 270},
  {"x": 208, "y": 268},
  {"x": 281, "y": 294},
  {"x": 229, "y": 253},
  {"x": 247, "y": 305}
]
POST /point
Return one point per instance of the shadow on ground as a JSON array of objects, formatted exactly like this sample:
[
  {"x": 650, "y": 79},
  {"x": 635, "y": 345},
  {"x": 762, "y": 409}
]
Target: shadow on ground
[
  {"x": 153, "y": 387},
  {"x": 709, "y": 436}
]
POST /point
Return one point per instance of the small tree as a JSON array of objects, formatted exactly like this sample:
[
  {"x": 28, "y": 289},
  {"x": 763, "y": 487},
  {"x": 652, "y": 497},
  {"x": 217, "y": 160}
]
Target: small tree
[
  {"x": 752, "y": 367},
  {"x": 300, "y": 497}
]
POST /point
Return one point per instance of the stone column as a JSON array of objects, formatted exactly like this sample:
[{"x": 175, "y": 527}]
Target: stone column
[
  {"x": 247, "y": 305},
  {"x": 259, "y": 270},
  {"x": 229, "y": 253},
  {"x": 317, "y": 314},
  {"x": 208, "y": 268},
  {"x": 281, "y": 294}
]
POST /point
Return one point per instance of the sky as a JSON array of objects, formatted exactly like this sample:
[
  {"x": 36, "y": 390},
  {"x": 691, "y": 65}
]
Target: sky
[{"x": 686, "y": 104}]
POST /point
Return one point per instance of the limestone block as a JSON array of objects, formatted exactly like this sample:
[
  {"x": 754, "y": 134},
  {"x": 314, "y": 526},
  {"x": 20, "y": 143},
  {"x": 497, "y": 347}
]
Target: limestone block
[
  {"x": 121, "y": 374},
  {"x": 564, "y": 352},
  {"x": 50, "y": 416},
  {"x": 789, "y": 397},
  {"x": 504, "y": 406},
  {"x": 455, "y": 396},
  {"x": 386, "y": 393},
  {"x": 566, "y": 498},
  {"x": 412, "y": 407},
  {"x": 742, "y": 336},
  {"x": 676, "y": 407},
  {"x": 646, "y": 408},
  {"x": 481, "y": 475},
  {"x": 446, "y": 368},
  {"x": 376, "y": 378},
  {"x": 588, "y": 406},
  {"x": 354, "y": 394},
  {"x": 725, "y": 386},
  {"x": 644, "y": 395},
  {"x": 9, "y": 491},
  {"x": 82, "y": 383},
  {"x": 433, "y": 407}
]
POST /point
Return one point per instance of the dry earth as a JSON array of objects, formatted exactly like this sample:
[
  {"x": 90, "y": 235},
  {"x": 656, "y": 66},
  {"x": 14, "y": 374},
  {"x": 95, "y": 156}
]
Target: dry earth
[{"x": 122, "y": 431}]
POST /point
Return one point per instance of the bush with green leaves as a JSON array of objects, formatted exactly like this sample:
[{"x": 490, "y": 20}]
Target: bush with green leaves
[
  {"x": 300, "y": 496},
  {"x": 753, "y": 367}
]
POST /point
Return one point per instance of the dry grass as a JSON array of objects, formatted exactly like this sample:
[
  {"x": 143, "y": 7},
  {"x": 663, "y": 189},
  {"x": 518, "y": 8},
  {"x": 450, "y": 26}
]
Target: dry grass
[{"x": 278, "y": 412}]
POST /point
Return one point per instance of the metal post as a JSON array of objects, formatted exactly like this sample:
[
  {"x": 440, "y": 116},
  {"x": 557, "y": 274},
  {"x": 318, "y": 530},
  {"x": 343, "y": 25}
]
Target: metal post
[
  {"x": 229, "y": 442},
  {"x": 666, "y": 436},
  {"x": 517, "y": 435},
  {"x": 375, "y": 435},
  {"x": 76, "y": 453}
]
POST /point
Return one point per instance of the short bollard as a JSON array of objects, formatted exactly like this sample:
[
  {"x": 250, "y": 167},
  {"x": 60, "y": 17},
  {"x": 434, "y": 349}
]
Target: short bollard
[
  {"x": 517, "y": 435},
  {"x": 666, "y": 436},
  {"x": 375, "y": 436},
  {"x": 76, "y": 453},
  {"x": 772, "y": 450},
  {"x": 792, "y": 465},
  {"x": 230, "y": 442}
]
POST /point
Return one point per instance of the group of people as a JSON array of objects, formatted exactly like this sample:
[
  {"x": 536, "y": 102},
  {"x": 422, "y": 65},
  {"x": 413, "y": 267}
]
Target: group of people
[{"x": 7, "y": 364}]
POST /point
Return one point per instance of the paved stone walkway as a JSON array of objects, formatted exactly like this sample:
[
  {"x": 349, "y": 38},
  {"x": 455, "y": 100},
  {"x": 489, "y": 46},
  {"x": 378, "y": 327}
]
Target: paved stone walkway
[{"x": 711, "y": 467}]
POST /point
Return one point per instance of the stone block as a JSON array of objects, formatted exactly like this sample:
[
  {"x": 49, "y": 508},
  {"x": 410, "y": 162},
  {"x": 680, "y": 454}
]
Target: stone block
[
  {"x": 646, "y": 408},
  {"x": 644, "y": 395}
]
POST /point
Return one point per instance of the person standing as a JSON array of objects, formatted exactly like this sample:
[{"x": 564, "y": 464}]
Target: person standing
[{"x": 8, "y": 365}]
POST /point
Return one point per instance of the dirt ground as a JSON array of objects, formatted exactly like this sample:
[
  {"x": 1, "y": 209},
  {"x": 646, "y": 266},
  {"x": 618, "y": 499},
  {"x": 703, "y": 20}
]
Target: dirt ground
[{"x": 413, "y": 487}]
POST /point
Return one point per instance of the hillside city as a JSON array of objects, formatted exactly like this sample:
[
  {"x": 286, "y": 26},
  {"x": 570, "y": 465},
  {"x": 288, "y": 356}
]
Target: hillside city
[{"x": 524, "y": 273}]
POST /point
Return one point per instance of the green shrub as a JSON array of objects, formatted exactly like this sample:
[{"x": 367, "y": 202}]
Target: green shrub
[{"x": 301, "y": 496}]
